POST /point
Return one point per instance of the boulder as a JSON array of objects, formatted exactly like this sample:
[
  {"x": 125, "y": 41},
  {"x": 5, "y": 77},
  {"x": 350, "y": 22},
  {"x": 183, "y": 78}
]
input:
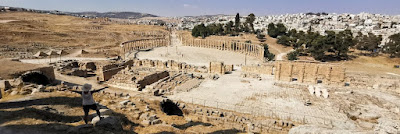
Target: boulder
[
  {"x": 105, "y": 112},
  {"x": 125, "y": 102},
  {"x": 145, "y": 122},
  {"x": 35, "y": 90},
  {"x": 108, "y": 123},
  {"x": 14, "y": 92},
  {"x": 156, "y": 121},
  {"x": 5, "y": 85},
  {"x": 81, "y": 129},
  {"x": 144, "y": 116}
]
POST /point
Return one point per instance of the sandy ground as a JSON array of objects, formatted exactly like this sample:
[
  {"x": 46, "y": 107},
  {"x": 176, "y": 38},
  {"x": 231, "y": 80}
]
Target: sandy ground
[
  {"x": 194, "y": 55},
  {"x": 249, "y": 95}
]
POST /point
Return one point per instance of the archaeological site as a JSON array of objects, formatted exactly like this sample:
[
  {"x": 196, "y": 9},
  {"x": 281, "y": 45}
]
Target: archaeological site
[{"x": 154, "y": 75}]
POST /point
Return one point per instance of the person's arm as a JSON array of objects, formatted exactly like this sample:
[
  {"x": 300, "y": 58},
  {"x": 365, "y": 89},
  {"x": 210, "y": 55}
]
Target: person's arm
[
  {"x": 79, "y": 92},
  {"x": 98, "y": 90}
]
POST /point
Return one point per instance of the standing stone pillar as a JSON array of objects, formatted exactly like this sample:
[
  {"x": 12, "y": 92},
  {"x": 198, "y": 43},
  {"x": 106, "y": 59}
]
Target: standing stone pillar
[
  {"x": 301, "y": 74},
  {"x": 290, "y": 72},
  {"x": 315, "y": 74}
]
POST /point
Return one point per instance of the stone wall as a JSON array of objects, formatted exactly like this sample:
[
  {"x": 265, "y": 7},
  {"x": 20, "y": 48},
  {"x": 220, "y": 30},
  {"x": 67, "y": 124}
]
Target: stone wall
[
  {"x": 170, "y": 65},
  {"x": 259, "y": 69},
  {"x": 219, "y": 68},
  {"x": 47, "y": 71},
  {"x": 150, "y": 79},
  {"x": 106, "y": 72},
  {"x": 239, "y": 47},
  {"x": 309, "y": 72}
]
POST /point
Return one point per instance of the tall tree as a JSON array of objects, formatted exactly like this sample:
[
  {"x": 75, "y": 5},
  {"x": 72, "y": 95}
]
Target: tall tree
[
  {"x": 272, "y": 30},
  {"x": 228, "y": 27},
  {"x": 368, "y": 42},
  {"x": 343, "y": 41},
  {"x": 200, "y": 30},
  {"x": 318, "y": 47},
  {"x": 250, "y": 20},
  {"x": 268, "y": 55},
  {"x": 237, "y": 23},
  {"x": 393, "y": 46},
  {"x": 281, "y": 29}
]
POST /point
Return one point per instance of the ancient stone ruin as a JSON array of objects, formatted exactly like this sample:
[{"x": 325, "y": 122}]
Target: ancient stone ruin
[{"x": 238, "y": 47}]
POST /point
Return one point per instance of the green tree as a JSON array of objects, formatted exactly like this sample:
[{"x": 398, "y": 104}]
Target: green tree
[
  {"x": 200, "y": 30},
  {"x": 284, "y": 40},
  {"x": 250, "y": 21},
  {"x": 318, "y": 47},
  {"x": 228, "y": 27},
  {"x": 276, "y": 30},
  {"x": 343, "y": 42},
  {"x": 292, "y": 55},
  {"x": 281, "y": 29},
  {"x": 272, "y": 31},
  {"x": 368, "y": 42},
  {"x": 237, "y": 23},
  {"x": 268, "y": 55},
  {"x": 393, "y": 46}
]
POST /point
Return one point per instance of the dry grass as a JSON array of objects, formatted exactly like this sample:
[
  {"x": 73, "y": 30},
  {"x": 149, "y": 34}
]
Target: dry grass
[
  {"x": 372, "y": 65},
  {"x": 10, "y": 67},
  {"x": 31, "y": 31}
]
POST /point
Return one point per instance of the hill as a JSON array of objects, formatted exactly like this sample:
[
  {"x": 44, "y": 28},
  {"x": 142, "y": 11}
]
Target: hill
[{"x": 119, "y": 15}]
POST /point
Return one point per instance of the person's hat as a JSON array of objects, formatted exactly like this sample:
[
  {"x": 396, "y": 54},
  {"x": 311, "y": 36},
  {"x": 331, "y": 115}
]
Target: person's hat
[{"x": 86, "y": 87}]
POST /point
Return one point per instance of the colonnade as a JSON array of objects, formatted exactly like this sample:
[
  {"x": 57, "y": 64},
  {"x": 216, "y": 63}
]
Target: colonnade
[
  {"x": 155, "y": 34},
  {"x": 254, "y": 50},
  {"x": 156, "y": 39}
]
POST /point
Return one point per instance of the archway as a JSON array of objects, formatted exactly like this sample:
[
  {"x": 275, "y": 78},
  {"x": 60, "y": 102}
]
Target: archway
[
  {"x": 35, "y": 77},
  {"x": 170, "y": 108}
]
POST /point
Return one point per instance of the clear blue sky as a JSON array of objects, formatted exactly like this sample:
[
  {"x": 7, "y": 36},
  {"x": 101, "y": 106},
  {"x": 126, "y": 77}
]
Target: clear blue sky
[{"x": 211, "y": 7}]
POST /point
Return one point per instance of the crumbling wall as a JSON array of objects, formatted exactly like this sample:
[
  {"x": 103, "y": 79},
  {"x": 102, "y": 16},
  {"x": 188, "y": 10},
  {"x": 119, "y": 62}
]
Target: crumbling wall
[
  {"x": 91, "y": 66},
  {"x": 169, "y": 65},
  {"x": 106, "y": 72},
  {"x": 309, "y": 72},
  {"x": 47, "y": 71},
  {"x": 217, "y": 67},
  {"x": 258, "y": 69},
  {"x": 149, "y": 79},
  {"x": 228, "y": 68}
]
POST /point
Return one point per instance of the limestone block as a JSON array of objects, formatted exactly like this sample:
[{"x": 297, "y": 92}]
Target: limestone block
[
  {"x": 311, "y": 89},
  {"x": 108, "y": 122}
]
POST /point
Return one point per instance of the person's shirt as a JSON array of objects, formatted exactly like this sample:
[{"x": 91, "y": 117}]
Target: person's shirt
[{"x": 87, "y": 99}]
